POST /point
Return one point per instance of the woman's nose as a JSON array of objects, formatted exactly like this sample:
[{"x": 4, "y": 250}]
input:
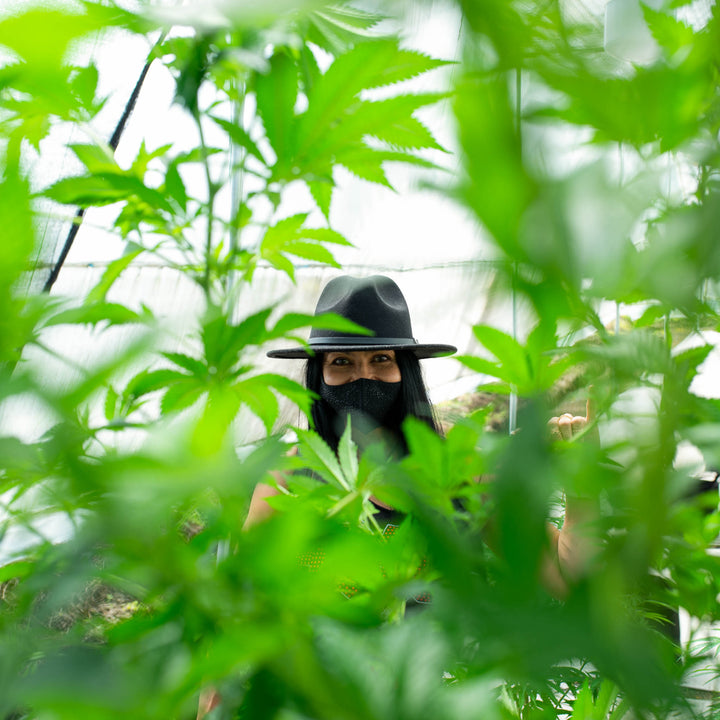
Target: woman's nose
[{"x": 365, "y": 371}]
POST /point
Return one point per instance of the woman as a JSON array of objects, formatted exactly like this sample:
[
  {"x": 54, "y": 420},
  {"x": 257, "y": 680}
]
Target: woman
[{"x": 375, "y": 379}]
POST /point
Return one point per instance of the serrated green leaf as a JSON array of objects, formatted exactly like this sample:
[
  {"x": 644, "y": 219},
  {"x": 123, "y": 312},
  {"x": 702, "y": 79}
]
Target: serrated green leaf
[
  {"x": 384, "y": 156},
  {"x": 260, "y": 399},
  {"x": 606, "y": 697},
  {"x": 332, "y": 321},
  {"x": 16, "y": 570},
  {"x": 211, "y": 431},
  {"x": 293, "y": 391},
  {"x": 510, "y": 354},
  {"x": 322, "y": 192},
  {"x": 34, "y": 129},
  {"x": 366, "y": 165},
  {"x": 242, "y": 218},
  {"x": 311, "y": 251},
  {"x": 41, "y": 36},
  {"x": 336, "y": 29},
  {"x": 481, "y": 365},
  {"x": 369, "y": 65},
  {"x": 350, "y": 18},
  {"x": 639, "y": 353},
  {"x": 671, "y": 97},
  {"x": 328, "y": 321},
  {"x": 175, "y": 187},
  {"x": 319, "y": 457},
  {"x": 111, "y": 15},
  {"x": 40, "y": 93},
  {"x": 18, "y": 455},
  {"x": 251, "y": 331},
  {"x": 276, "y": 93},
  {"x": 193, "y": 64},
  {"x": 84, "y": 83},
  {"x": 288, "y": 323},
  {"x": 96, "y": 158},
  {"x": 670, "y": 33},
  {"x": 86, "y": 191},
  {"x": 621, "y": 710},
  {"x": 498, "y": 187},
  {"x": 145, "y": 156},
  {"x": 651, "y": 315},
  {"x": 406, "y": 133},
  {"x": 181, "y": 396},
  {"x": 390, "y": 121},
  {"x": 112, "y": 273},
  {"x": 288, "y": 237},
  {"x": 192, "y": 365},
  {"x": 583, "y": 705},
  {"x": 427, "y": 448},
  {"x": 92, "y": 314},
  {"x": 309, "y": 68},
  {"x": 325, "y": 235},
  {"x": 111, "y": 403},
  {"x": 149, "y": 381},
  {"x": 197, "y": 155},
  {"x": 399, "y": 64},
  {"x": 278, "y": 234},
  {"x": 104, "y": 189},
  {"x": 17, "y": 225},
  {"x": 240, "y": 137},
  {"x": 348, "y": 457},
  {"x": 282, "y": 263},
  {"x": 687, "y": 362},
  {"x": 224, "y": 343}
]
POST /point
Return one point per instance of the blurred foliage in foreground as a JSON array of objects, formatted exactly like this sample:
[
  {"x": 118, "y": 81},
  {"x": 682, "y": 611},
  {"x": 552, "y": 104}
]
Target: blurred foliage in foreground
[{"x": 309, "y": 615}]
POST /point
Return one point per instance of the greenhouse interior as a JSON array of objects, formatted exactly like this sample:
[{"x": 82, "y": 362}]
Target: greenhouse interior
[{"x": 360, "y": 360}]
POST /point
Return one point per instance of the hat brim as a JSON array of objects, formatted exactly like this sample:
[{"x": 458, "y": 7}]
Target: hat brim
[{"x": 421, "y": 351}]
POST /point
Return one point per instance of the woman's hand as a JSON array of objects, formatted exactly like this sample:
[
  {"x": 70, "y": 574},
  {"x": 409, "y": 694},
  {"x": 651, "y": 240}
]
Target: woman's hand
[
  {"x": 568, "y": 426},
  {"x": 575, "y": 544}
]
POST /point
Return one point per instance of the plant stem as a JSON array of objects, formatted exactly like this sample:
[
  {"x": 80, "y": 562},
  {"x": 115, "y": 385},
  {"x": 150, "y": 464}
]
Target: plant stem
[
  {"x": 237, "y": 184},
  {"x": 212, "y": 192}
]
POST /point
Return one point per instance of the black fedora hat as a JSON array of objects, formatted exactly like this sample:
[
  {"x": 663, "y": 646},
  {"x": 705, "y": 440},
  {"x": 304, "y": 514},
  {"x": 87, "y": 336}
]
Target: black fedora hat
[{"x": 377, "y": 304}]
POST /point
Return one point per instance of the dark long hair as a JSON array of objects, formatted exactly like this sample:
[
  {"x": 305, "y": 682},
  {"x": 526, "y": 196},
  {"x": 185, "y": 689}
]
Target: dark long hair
[{"x": 413, "y": 400}]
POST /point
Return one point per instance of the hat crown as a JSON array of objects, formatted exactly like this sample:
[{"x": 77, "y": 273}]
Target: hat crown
[{"x": 375, "y": 302}]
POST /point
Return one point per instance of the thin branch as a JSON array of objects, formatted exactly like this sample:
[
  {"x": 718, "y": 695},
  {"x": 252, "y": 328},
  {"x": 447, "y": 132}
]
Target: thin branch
[{"x": 212, "y": 192}]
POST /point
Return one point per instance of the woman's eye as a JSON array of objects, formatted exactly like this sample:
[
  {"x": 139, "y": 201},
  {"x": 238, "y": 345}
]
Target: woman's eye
[
  {"x": 382, "y": 358},
  {"x": 340, "y": 361}
]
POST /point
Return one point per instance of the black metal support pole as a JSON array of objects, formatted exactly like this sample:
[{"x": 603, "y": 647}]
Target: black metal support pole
[{"x": 114, "y": 142}]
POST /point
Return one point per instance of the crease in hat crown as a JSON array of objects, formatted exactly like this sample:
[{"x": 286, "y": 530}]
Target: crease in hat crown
[{"x": 374, "y": 302}]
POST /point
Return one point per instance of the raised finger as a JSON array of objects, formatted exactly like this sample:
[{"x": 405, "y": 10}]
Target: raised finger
[{"x": 590, "y": 410}]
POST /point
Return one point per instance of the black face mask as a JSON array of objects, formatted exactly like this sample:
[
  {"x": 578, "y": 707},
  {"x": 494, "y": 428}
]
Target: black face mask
[{"x": 368, "y": 402}]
